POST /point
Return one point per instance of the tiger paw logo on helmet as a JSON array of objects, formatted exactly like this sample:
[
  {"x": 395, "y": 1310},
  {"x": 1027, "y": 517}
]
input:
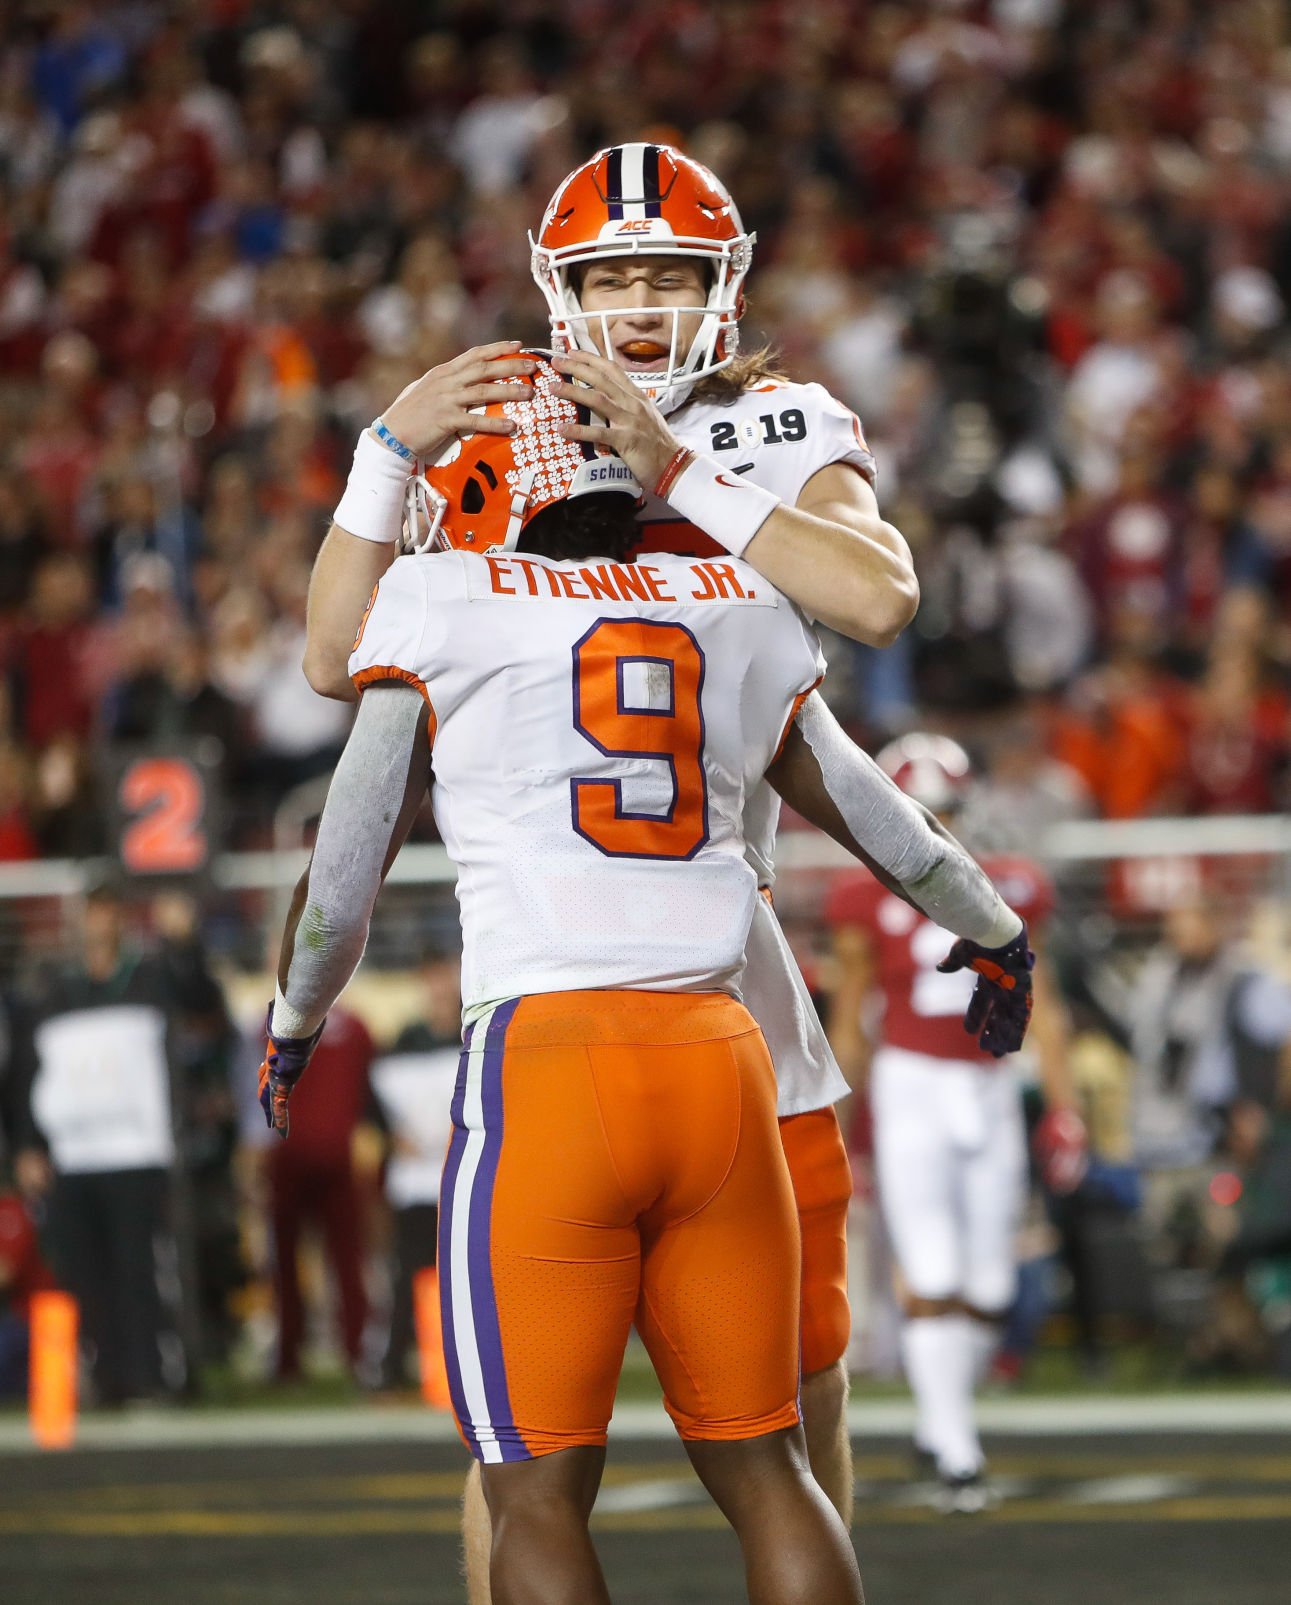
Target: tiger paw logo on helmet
[
  {"x": 644, "y": 199},
  {"x": 482, "y": 491}
]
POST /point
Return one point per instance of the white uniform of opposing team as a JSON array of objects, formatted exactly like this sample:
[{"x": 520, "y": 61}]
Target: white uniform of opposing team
[
  {"x": 949, "y": 1142},
  {"x": 597, "y": 731},
  {"x": 414, "y": 1088},
  {"x": 777, "y": 435}
]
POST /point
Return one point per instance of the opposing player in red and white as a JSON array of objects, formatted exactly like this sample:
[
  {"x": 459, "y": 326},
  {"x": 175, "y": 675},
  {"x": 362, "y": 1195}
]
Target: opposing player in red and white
[
  {"x": 642, "y": 259},
  {"x": 949, "y": 1140}
]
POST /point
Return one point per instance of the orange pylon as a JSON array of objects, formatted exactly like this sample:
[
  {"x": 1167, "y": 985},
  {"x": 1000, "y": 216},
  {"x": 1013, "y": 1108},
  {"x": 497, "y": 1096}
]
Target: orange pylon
[
  {"x": 430, "y": 1340},
  {"x": 51, "y": 1393}
]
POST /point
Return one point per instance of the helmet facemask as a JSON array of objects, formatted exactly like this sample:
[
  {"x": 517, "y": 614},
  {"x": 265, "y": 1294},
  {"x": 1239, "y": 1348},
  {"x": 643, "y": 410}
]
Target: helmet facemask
[{"x": 714, "y": 343}]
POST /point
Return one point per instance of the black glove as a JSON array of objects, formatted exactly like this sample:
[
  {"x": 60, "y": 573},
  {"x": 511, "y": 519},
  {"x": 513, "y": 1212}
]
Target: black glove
[
  {"x": 999, "y": 1010},
  {"x": 285, "y": 1061}
]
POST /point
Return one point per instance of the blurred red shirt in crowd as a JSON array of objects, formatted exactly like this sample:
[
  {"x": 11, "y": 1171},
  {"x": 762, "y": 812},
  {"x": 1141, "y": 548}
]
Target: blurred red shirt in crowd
[{"x": 22, "y": 1271}]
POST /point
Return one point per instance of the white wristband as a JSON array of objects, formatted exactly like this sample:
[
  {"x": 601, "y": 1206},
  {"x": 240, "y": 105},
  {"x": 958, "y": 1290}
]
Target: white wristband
[
  {"x": 722, "y": 504},
  {"x": 373, "y": 504}
]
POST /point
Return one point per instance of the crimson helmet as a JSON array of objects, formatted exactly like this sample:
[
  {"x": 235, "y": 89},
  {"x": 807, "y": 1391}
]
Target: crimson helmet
[
  {"x": 483, "y": 490},
  {"x": 646, "y": 200},
  {"x": 934, "y": 770}
]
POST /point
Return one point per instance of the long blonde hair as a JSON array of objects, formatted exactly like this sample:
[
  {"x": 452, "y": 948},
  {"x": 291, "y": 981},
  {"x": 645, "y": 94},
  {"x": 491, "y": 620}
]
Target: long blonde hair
[{"x": 748, "y": 369}]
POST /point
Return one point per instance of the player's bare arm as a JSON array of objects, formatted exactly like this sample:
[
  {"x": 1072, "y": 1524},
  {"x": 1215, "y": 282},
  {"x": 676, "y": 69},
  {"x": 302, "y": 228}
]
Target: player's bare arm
[
  {"x": 831, "y": 553},
  {"x": 345, "y": 572},
  {"x": 422, "y": 420},
  {"x": 375, "y": 793}
]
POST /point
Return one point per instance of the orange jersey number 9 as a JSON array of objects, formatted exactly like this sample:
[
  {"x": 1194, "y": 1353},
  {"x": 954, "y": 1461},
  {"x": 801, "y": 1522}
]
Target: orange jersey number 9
[{"x": 665, "y": 727}]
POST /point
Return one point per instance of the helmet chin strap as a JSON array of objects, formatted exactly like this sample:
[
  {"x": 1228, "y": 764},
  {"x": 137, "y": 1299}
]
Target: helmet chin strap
[
  {"x": 674, "y": 396},
  {"x": 519, "y": 501},
  {"x": 423, "y": 505}
]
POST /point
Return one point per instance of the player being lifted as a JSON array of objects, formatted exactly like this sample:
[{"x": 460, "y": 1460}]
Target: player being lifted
[
  {"x": 642, "y": 259},
  {"x": 597, "y": 727}
]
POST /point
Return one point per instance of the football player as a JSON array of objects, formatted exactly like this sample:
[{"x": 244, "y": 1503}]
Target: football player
[
  {"x": 642, "y": 258},
  {"x": 949, "y": 1141},
  {"x": 597, "y": 726}
]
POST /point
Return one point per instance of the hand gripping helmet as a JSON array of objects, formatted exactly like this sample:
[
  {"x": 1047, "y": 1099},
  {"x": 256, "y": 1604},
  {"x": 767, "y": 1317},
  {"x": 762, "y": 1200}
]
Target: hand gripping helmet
[
  {"x": 646, "y": 200},
  {"x": 934, "y": 770},
  {"x": 483, "y": 490}
]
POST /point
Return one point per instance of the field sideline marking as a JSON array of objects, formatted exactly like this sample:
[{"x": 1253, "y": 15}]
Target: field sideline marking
[
  {"x": 871, "y": 1470},
  {"x": 1110, "y": 1414},
  {"x": 334, "y": 1523}
]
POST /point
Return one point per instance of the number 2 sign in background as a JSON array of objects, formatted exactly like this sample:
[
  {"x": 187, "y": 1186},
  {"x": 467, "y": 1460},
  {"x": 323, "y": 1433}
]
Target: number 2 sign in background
[{"x": 166, "y": 812}]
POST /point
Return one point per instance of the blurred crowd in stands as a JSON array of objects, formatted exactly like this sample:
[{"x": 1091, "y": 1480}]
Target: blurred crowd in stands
[
  {"x": 1043, "y": 248},
  {"x": 136, "y": 1171}
]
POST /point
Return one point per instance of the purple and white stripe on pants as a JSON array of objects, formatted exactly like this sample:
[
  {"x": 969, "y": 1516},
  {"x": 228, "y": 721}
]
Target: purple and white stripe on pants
[{"x": 472, "y": 1336}]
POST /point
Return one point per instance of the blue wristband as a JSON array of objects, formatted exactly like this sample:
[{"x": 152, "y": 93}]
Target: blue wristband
[{"x": 395, "y": 444}]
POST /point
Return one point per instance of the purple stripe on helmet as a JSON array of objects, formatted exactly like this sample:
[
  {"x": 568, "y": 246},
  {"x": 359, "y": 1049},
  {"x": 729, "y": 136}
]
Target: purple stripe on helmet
[
  {"x": 614, "y": 182},
  {"x": 650, "y": 181}
]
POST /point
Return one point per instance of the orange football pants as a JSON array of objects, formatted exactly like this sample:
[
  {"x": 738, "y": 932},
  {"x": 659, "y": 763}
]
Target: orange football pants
[
  {"x": 821, "y": 1174},
  {"x": 616, "y": 1156}
]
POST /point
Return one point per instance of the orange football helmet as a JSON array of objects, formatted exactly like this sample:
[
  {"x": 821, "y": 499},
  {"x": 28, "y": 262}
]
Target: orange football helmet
[
  {"x": 484, "y": 489},
  {"x": 640, "y": 199}
]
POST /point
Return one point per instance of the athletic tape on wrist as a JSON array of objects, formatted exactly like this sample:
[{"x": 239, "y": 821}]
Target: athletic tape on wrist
[
  {"x": 723, "y": 505},
  {"x": 373, "y": 504},
  {"x": 1006, "y": 927},
  {"x": 286, "y": 1021}
]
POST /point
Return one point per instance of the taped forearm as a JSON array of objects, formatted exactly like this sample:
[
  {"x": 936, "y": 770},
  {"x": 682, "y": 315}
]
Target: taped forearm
[
  {"x": 903, "y": 839},
  {"x": 328, "y": 931},
  {"x": 957, "y": 895}
]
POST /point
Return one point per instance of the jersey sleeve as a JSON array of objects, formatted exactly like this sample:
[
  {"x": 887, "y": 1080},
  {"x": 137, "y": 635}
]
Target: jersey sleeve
[
  {"x": 834, "y": 435},
  {"x": 389, "y": 643},
  {"x": 782, "y": 664},
  {"x": 807, "y": 672}
]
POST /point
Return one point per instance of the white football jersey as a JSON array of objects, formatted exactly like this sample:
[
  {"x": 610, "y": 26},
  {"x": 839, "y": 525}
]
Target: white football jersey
[
  {"x": 778, "y": 434},
  {"x": 597, "y": 729}
]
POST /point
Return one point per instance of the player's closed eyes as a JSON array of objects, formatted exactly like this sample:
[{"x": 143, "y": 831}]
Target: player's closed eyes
[{"x": 673, "y": 281}]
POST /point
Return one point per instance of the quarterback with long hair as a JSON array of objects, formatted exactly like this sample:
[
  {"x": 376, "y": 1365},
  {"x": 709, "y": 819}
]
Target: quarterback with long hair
[{"x": 642, "y": 257}]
